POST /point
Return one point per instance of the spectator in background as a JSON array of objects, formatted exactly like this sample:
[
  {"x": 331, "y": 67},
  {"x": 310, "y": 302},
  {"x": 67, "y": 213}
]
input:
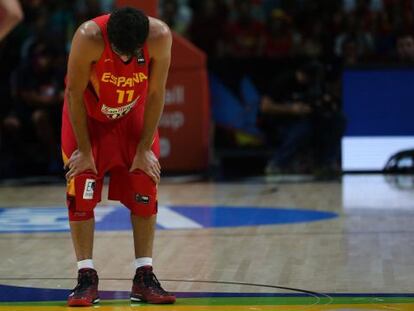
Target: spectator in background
[
  {"x": 312, "y": 19},
  {"x": 28, "y": 122},
  {"x": 87, "y": 9},
  {"x": 339, "y": 32},
  {"x": 10, "y": 15},
  {"x": 62, "y": 23},
  {"x": 38, "y": 93},
  {"x": 363, "y": 13},
  {"x": 333, "y": 71},
  {"x": 405, "y": 48},
  {"x": 336, "y": 23},
  {"x": 355, "y": 29},
  {"x": 203, "y": 30},
  {"x": 36, "y": 27},
  {"x": 401, "y": 16},
  {"x": 408, "y": 16},
  {"x": 279, "y": 38},
  {"x": 177, "y": 15},
  {"x": 270, "y": 5},
  {"x": 286, "y": 111},
  {"x": 349, "y": 53},
  {"x": 375, "y": 5},
  {"x": 303, "y": 116},
  {"x": 107, "y": 5},
  {"x": 384, "y": 34},
  {"x": 245, "y": 35},
  {"x": 312, "y": 40}
]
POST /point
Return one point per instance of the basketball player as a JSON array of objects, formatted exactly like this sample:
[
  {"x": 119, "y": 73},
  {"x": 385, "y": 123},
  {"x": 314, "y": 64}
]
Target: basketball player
[
  {"x": 117, "y": 71},
  {"x": 11, "y": 14}
]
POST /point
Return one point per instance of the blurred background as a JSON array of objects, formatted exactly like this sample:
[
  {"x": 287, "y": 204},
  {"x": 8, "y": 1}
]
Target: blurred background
[{"x": 257, "y": 87}]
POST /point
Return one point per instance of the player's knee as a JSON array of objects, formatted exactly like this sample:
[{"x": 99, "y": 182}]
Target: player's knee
[{"x": 76, "y": 215}]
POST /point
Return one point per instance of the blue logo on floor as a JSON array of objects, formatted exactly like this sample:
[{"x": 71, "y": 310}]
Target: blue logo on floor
[{"x": 116, "y": 218}]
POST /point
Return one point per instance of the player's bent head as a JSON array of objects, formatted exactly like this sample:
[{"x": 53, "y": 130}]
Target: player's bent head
[{"x": 128, "y": 29}]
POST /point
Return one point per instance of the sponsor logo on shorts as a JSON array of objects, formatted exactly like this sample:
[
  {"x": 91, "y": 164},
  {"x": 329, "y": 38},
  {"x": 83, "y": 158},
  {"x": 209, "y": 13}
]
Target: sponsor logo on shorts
[
  {"x": 118, "y": 112},
  {"x": 89, "y": 189},
  {"x": 143, "y": 199}
]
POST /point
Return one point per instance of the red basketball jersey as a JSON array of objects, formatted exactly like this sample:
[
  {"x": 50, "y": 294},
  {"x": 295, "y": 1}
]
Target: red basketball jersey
[{"x": 115, "y": 87}]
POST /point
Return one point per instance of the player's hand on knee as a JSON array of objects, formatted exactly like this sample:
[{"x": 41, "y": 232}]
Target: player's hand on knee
[
  {"x": 78, "y": 163},
  {"x": 146, "y": 161}
]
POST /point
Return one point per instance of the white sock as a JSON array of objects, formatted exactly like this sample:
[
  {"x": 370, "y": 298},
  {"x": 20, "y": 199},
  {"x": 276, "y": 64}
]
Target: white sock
[
  {"x": 142, "y": 261},
  {"x": 87, "y": 263}
]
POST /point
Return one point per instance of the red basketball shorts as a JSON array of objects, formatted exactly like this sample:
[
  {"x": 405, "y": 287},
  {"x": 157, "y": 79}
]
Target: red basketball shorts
[{"x": 114, "y": 146}]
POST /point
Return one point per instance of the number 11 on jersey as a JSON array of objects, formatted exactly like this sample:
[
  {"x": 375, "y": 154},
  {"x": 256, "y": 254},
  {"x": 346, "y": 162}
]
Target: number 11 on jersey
[{"x": 121, "y": 96}]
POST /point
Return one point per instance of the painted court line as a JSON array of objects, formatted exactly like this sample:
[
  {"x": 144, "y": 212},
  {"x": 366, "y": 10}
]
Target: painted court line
[{"x": 169, "y": 219}]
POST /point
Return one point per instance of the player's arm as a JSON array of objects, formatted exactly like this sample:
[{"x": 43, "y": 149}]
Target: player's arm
[
  {"x": 12, "y": 15},
  {"x": 160, "y": 51},
  {"x": 159, "y": 44},
  {"x": 84, "y": 52}
]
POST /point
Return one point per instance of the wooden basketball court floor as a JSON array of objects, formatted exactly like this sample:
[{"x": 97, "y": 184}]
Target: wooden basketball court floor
[{"x": 256, "y": 244}]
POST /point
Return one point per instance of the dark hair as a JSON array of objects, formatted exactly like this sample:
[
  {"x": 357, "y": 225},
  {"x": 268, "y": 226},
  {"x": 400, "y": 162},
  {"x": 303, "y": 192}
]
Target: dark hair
[{"x": 128, "y": 29}]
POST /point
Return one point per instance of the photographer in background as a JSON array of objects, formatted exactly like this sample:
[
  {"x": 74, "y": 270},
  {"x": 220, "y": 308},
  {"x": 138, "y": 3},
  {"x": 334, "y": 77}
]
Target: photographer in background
[{"x": 299, "y": 116}]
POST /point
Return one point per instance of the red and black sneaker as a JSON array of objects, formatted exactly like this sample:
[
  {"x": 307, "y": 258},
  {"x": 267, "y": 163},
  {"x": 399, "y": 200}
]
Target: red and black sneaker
[
  {"x": 147, "y": 288},
  {"x": 86, "y": 292}
]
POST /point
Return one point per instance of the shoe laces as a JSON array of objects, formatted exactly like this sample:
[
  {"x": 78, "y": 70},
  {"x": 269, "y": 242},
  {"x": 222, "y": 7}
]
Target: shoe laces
[
  {"x": 150, "y": 280},
  {"x": 85, "y": 280}
]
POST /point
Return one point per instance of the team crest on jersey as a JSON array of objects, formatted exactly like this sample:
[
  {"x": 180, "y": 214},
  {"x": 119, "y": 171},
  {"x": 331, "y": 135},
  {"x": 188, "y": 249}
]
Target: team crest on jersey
[
  {"x": 140, "y": 57},
  {"x": 118, "y": 112}
]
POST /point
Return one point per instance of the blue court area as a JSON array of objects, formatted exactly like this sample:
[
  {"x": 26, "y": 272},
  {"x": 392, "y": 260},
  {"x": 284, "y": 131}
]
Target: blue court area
[{"x": 116, "y": 218}]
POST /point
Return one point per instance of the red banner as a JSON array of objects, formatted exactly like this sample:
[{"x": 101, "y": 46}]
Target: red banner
[{"x": 184, "y": 126}]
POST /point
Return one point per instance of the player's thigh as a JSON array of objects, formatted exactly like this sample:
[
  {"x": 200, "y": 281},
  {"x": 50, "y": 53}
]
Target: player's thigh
[{"x": 131, "y": 133}]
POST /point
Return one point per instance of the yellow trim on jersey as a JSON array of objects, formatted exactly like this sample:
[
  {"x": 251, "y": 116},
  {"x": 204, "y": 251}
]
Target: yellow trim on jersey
[{"x": 70, "y": 185}]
